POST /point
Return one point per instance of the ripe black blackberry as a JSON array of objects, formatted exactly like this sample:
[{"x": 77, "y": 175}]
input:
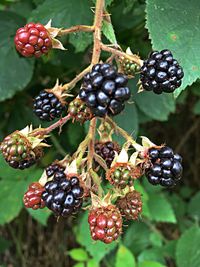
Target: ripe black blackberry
[
  {"x": 161, "y": 72},
  {"x": 56, "y": 170},
  {"x": 63, "y": 196},
  {"x": 165, "y": 166},
  {"x": 47, "y": 106},
  {"x": 104, "y": 90},
  {"x": 107, "y": 150}
]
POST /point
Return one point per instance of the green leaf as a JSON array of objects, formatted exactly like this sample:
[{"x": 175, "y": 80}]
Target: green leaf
[
  {"x": 138, "y": 187},
  {"x": 92, "y": 263},
  {"x": 12, "y": 191},
  {"x": 150, "y": 264},
  {"x": 178, "y": 31},
  {"x": 130, "y": 125},
  {"x": 40, "y": 215},
  {"x": 64, "y": 13},
  {"x": 152, "y": 254},
  {"x": 16, "y": 71},
  {"x": 196, "y": 108},
  {"x": 80, "y": 264},
  {"x": 80, "y": 40},
  {"x": 161, "y": 209},
  {"x": 158, "y": 107},
  {"x": 137, "y": 237},
  {"x": 193, "y": 207},
  {"x": 156, "y": 239},
  {"x": 124, "y": 255},
  {"x": 98, "y": 249},
  {"x": 108, "y": 31},
  {"x": 188, "y": 248},
  {"x": 78, "y": 254}
]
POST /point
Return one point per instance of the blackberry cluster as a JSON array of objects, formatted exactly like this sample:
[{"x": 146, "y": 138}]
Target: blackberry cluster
[
  {"x": 63, "y": 195},
  {"x": 123, "y": 174},
  {"x": 47, "y": 106},
  {"x": 105, "y": 223},
  {"x": 105, "y": 90},
  {"x": 18, "y": 151},
  {"x": 130, "y": 205},
  {"x": 161, "y": 72},
  {"x": 55, "y": 170},
  {"x": 107, "y": 150},
  {"x": 166, "y": 168},
  {"x": 129, "y": 67},
  {"x": 32, "y": 198},
  {"x": 32, "y": 40},
  {"x": 79, "y": 111}
]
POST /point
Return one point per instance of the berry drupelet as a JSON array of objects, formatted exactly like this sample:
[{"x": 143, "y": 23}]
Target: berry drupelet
[
  {"x": 63, "y": 195},
  {"x": 32, "y": 40},
  {"x": 130, "y": 205},
  {"x": 165, "y": 166},
  {"x": 104, "y": 90},
  {"x": 107, "y": 151},
  {"x": 33, "y": 197},
  {"x": 161, "y": 72},
  {"x": 105, "y": 223},
  {"x": 47, "y": 106}
]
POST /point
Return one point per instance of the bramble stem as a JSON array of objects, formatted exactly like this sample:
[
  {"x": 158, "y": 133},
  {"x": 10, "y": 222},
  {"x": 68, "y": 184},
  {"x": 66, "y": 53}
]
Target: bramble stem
[
  {"x": 77, "y": 28},
  {"x": 91, "y": 135},
  {"x": 46, "y": 131},
  {"x": 98, "y": 19},
  {"x": 73, "y": 82},
  {"x": 116, "y": 52}
]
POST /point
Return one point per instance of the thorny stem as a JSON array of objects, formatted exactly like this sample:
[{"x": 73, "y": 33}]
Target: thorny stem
[
  {"x": 121, "y": 131},
  {"x": 116, "y": 52},
  {"x": 73, "y": 82},
  {"x": 77, "y": 28},
  {"x": 98, "y": 19},
  {"x": 46, "y": 131}
]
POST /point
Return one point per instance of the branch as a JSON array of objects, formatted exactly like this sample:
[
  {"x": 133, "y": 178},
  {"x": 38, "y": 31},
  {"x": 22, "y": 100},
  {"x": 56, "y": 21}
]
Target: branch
[
  {"x": 97, "y": 33},
  {"x": 73, "y": 82},
  {"x": 116, "y": 52},
  {"x": 46, "y": 131},
  {"x": 77, "y": 28}
]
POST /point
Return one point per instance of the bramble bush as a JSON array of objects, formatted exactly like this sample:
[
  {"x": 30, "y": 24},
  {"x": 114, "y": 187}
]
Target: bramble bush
[{"x": 82, "y": 84}]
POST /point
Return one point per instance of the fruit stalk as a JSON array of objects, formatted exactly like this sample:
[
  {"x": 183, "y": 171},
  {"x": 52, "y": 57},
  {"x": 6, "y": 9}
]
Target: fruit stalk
[
  {"x": 116, "y": 52},
  {"x": 77, "y": 28},
  {"x": 95, "y": 59}
]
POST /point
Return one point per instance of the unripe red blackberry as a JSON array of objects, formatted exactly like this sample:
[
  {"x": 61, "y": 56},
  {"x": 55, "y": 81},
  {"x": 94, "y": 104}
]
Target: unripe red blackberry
[
  {"x": 19, "y": 152},
  {"x": 48, "y": 105},
  {"x": 32, "y": 198},
  {"x": 63, "y": 195},
  {"x": 33, "y": 40},
  {"x": 161, "y": 72},
  {"x": 130, "y": 205},
  {"x": 107, "y": 150},
  {"x": 104, "y": 90},
  {"x": 165, "y": 167},
  {"x": 79, "y": 111},
  {"x": 123, "y": 174},
  {"x": 105, "y": 223}
]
